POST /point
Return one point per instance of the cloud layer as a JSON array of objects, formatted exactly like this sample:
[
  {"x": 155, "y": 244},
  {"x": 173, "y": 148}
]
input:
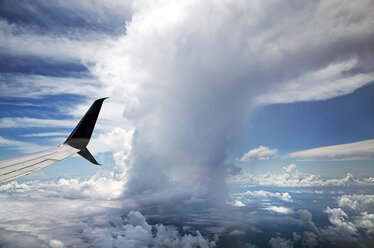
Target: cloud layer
[
  {"x": 293, "y": 178},
  {"x": 72, "y": 213},
  {"x": 362, "y": 150}
]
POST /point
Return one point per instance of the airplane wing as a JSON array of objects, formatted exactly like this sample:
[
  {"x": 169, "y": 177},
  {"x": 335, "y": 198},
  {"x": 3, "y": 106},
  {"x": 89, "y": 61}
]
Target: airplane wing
[{"x": 11, "y": 168}]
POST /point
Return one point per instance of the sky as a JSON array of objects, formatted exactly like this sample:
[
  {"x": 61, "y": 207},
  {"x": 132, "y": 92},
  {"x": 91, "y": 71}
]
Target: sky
[{"x": 228, "y": 123}]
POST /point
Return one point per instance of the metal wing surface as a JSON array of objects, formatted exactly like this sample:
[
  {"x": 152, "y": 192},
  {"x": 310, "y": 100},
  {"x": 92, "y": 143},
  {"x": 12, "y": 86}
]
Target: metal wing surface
[
  {"x": 11, "y": 168},
  {"x": 22, "y": 165}
]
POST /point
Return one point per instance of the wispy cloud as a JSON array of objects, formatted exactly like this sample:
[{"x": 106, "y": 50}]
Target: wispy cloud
[
  {"x": 34, "y": 86},
  {"x": 25, "y": 147},
  {"x": 21, "y": 122},
  {"x": 331, "y": 81},
  {"x": 362, "y": 150},
  {"x": 45, "y": 134},
  {"x": 260, "y": 153},
  {"x": 24, "y": 41}
]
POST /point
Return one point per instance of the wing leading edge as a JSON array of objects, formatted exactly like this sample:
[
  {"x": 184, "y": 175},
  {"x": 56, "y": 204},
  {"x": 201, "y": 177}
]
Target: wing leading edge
[{"x": 76, "y": 143}]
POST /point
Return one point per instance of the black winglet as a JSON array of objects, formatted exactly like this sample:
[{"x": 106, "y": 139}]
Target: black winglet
[
  {"x": 87, "y": 155},
  {"x": 81, "y": 134}
]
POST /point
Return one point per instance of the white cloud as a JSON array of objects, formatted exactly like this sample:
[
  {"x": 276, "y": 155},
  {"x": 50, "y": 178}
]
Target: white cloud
[
  {"x": 46, "y": 134},
  {"x": 55, "y": 243},
  {"x": 280, "y": 209},
  {"x": 338, "y": 218},
  {"x": 293, "y": 178},
  {"x": 84, "y": 208},
  {"x": 260, "y": 153},
  {"x": 117, "y": 141},
  {"x": 285, "y": 196},
  {"x": 26, "y": 147},
  {"x": 362, "y": 150},
  {"x": 238, "y": 203},
  {"x": 356, "y": 201},
  {"x": 344, "y": 230},
  {"x": 24, "y": 41},
  {"x": 177, "y": 97},
  {"x": 21, "y": 122},
  {"x": 279, "y": 242},
  {"x": 292, "y": 170},
  {"x": 206, "y": 68},
  {"x": 327, "y": 82},
  {"x": 34, "y": 86},
  {"x": 102, "y": 186}
]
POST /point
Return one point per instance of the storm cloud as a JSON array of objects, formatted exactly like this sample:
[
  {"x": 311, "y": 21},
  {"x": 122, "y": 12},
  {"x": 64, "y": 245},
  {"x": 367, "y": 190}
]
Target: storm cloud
[{"x": 189, "y": 79}]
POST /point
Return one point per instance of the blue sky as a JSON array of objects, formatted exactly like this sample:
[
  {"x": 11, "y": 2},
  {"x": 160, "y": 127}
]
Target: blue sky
[
  {"x": 229, "y": 124},
  {"x": 300, "y": 126}
]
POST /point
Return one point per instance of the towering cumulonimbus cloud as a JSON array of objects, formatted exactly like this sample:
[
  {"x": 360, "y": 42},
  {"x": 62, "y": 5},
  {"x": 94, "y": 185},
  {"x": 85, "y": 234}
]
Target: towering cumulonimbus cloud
[{"x": 190, "y": 72}]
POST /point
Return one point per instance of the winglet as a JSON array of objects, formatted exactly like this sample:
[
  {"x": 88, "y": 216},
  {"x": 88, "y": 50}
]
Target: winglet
[
  {"x": 87, "y": 155},
  {"x": 80, "y": 137}
]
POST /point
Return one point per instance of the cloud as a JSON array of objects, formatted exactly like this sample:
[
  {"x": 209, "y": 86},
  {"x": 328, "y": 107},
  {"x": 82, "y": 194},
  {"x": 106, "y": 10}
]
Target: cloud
[
  {"x": 362, "y": 150},
  {"x": 60, "y": 209},
  {"x": 85, "y": 209},
  {"x": 83, "y": 214},
  {"x": 26, "y": 147},
  {"x": 12, "y": 239},
  {"x": 329, "y": 82},
  {"x": 285, "y": 196},
  {"x": 343, "y": 230},
  {"x": 306, "y": 218},
  {"x": 292, "y": 170},
  {"x": 22, "y": 122},
  {"x": 46, "y": 134},
  {"x": 280, "y": 209},
  {"x": 356, "y": 201},
  {"x": 279, "y": 242},
  {"x": 260, "y": 153},
  {"x": 238, "y": 203},
  {"x": 26, "y": 41},
  {"x": 55, "y": 243},
  {"x": 138, "y": 233},
  {"x": 293, "y": 178},
  {"x": 338, "y": 218},
  {"x": 36, "y": 86},
  {"x": 206, "y": 69}
]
